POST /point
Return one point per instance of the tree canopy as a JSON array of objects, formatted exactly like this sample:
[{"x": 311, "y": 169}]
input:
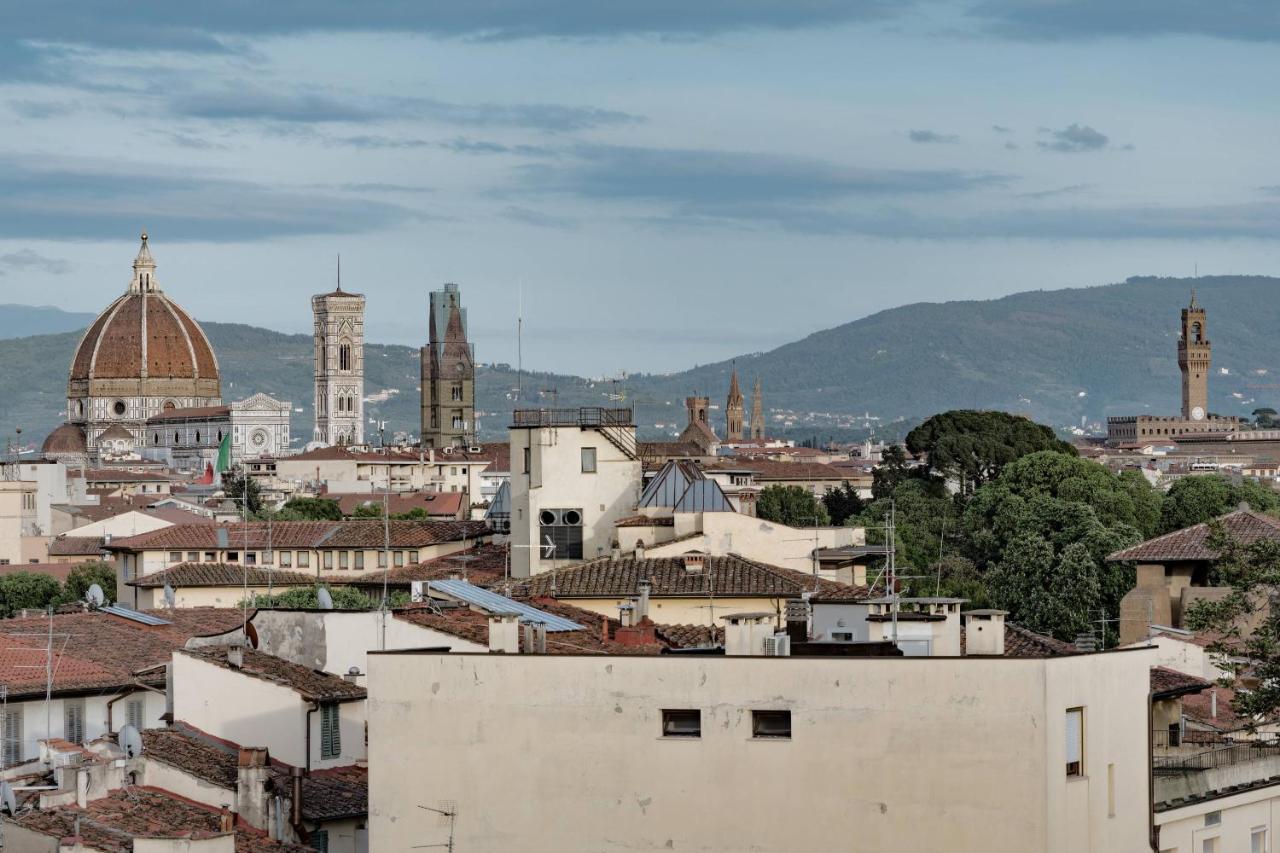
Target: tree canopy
[
  {"x": 793, "y": 506},
  {"x": 344, "y": 598},
  {"x": 972, "y": 447},
  {"x": 311, "y": 509},
  {"x": 243, "y": 491},
  {"x": 1200, "y": 497},
  {"x": 85, "y": 575}
]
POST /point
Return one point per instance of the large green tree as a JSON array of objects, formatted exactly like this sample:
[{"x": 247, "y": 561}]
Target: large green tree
[
  {"x": 892, "y": 470},
  {"x": 1200, "y": 497},
  {"x": 842, "y": 503},
  {"x": 311, "y": 509},
  {"x": 926, "y": 521},
  {"x": 28, "y": 591},
  {"x": 85, "y": 575},
  {"x": 243, "y": 491},
  {"x": 1059, "y": 595},
  {"x": 791, "y": 505},
  {"x": 972, "y": 447}
]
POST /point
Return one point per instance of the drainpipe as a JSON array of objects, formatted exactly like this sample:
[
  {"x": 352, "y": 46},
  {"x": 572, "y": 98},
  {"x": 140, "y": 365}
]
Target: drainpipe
[
  {"x": 315, "y": 706},
  {"x": 1153, "y": 836}
]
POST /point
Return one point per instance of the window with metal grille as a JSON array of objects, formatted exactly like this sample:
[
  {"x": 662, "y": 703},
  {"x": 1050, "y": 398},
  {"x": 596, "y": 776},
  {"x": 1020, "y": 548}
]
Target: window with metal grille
[
  {"x": 134, "y": 713},
  {"x": 12, "y": 737},
  {"x": 330, "y": 731},
  {"x": 560, "y": 534},
  {"x": 318, "y": 840},
  {"x": 73, "y": 720},
  {"x": 682, "y": 722},
  {"x": 772, "y": 724}
]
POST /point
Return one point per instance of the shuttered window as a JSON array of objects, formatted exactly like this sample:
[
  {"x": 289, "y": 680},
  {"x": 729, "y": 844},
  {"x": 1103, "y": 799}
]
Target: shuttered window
[
  {"x": 319, "y": 841},
  {"x": 330, "y": 732},
  {"x": 12, "y": 737},
  {"x": 134, "y": 713},
  {"x": 73, "y": 720}
]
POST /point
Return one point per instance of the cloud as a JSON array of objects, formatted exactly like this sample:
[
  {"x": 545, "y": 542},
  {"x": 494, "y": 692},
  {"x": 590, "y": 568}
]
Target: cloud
[
  {"x": 43, "y": 109},
  {"x": 88, "y": 200},
  {"x": 537, "y": 218},
  {"x": 1246, "y": 20},
  {"x": 930, "y": 136},
  {"x": 1074, "y": 138},
  {"x": 463, "y": 145},
  {"x": 999, "y": 128},
  {"x": 1067, "y": 190},
  {"x": 1274, "y": 189},
  {"x": 725, "y": 178},
  {"x": 25, "y": 259},
  {"x": 248, "y": 103}
]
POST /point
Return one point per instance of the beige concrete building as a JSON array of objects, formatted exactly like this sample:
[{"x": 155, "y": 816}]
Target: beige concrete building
[
  {"x": 20, "y": 539},
  {"x": 864, "y": 754},
  {"x": 575, "y": 473}
]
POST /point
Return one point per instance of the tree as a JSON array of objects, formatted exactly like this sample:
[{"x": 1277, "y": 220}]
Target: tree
[
  {"x": 1201, "y": 497},
  {"x": 312, "y": 509},
  {"x": 953, "y": 576},
  {"x": 971, "y": 447},
  {"x": 27, "y": 591},
  {"x": 842, "y": 503},
  {"x": 891, "y": 471},
  {"x": 85, "y": 575},
  {"x": 1058, "y": 597},
  {"x": 925, "y": 518},
  {"x": 792, "y": 506},
  {"x": 1246, "y": 622},
  {"x": 344, "y": 598},
  {"x": 1265, "y": 418},
  {"x": 239, "y": 487}
]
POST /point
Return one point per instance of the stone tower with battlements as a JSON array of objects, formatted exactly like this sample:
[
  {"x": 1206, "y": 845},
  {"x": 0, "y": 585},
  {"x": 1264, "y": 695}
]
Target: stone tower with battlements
[
  {"x": 339, "y": 367},
  {"x": 1194, "y": 362},
  {"x": 733, "y": 410},
  {"x": 448, "y": 374}
]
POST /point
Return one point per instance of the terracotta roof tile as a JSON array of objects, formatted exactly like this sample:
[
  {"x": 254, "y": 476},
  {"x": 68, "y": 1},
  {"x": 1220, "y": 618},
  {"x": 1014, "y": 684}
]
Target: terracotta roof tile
[
  {"x": 221, "y": 574},
  {"x": 311, "y": 684},
  {"x": 76, "y": 546},
  {"x": 1192, "y": 543},
  {"x": 361, "y": 533},
  {"x": 645, "y": 521},
  {"x": 1169, "y": 683},
  {"x": 769, "y": 469},
  {"x": 444, "y": 504}
]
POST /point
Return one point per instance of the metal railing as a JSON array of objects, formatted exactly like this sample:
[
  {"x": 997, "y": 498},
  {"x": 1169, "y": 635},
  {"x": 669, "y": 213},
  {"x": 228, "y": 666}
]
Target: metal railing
[
  {"x": 1220, "y": 756},
  {"x": 1190, "y": 738},
  {"x": 583, "y": 416}
]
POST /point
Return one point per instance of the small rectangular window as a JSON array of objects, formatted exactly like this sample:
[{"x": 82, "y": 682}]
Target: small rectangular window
[
  {"x": 13, "y": 736},
  {"x": 251, "y": 558},
  {"x": 1075, "y": 741},
  {"x": 328, "y": 559},
  {"x": 1209, "y": 845},
  {"x": 359, "y": 560},
  {"x": 268, "y": 557},
  {"x": 1213, "y": 819},
  {"x": 772, "y": 724},
  {"x": 304, "y": 559},
  {"x": 413, "y": 557},
  {"x": 286, "y": 559},
  {"x": 318, "y": 840},
  {"x": 193, "y": 556},
  {"x": 682, "y": 722},
  {"x": 233, "y": 556},
  {"x": 211, "y": 556},
  {"x": 399, "y": 559},
  {"x": 344, "y": 560},
  {"x": 73, "y": 720},
  {"x": 175, "y": 556},
  {"x": 588, "y": 460},
  {"x": 382, "y": 559},
  {"x": 527, "y": 459},
  {"x": 330, "y": 731},
  {"x": 1258, "y": 840},
  {"x": 134, "y": 713}
]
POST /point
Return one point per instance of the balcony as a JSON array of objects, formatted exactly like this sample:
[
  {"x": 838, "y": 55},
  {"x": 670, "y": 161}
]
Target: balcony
[
  {"x": 1194, "y": 766},
  {"x": 585, "y": 416}
]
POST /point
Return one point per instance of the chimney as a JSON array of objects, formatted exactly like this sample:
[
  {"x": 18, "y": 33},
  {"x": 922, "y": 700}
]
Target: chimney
[
  {"x": 226, "y": 820},
  {"x": 535, "y": 638},
  {"x": 106, "y": 539},
  {"x": 640, "y": 550},
  {"x": 1213, "y": 705},
  {"x": 252, "y": 798},
  {"x": 615, "y": 553},
  {"x": 694, "y": 562},
  {"x": 627, "y": 614},
  {"x": 504, "y": 633},
  {"x": 642, "y": 603},
  {"x": 295, "y": 796},
  {"x": 745, "y": 633},
  {"x": 984, "y": 632},
  {"x": 235, "y": 657},
  {"x": 798, "y": 620},
  {"x": 353, "y": 675}
]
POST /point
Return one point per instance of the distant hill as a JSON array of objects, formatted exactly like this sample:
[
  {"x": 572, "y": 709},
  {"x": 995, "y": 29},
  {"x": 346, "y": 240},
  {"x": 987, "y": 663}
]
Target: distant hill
[
  {"x": 1057, "y": 356},
  {"x": 20, "y": 321}
]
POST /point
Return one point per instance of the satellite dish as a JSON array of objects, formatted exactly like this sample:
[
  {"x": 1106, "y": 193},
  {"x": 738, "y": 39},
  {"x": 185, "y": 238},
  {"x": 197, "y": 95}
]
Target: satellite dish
[
  {"x": 170, "y": 597},
  {"x": 130, "y": 741},
  {"x": 323, "y": 599},
  {"x": 251, "y": 634},
  {"x": 7, "y": 798},
  {"x": 94, "y": 595}
]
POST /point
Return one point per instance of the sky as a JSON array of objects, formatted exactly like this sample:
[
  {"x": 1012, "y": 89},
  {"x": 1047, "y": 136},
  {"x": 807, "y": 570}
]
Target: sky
[{"x": 651, "y": 184}]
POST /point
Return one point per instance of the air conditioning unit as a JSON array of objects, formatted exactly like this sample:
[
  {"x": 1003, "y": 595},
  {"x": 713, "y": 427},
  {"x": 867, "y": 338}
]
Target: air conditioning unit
[
  {"x": 475, "y": 450},
  {"x": 777, "y": 646},
  {"x": 448, "y": 451}
]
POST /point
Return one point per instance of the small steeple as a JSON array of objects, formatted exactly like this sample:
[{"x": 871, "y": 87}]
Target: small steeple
[
  {"x": 1193, "y": 299},
  {"x": 144, "y": 269}
]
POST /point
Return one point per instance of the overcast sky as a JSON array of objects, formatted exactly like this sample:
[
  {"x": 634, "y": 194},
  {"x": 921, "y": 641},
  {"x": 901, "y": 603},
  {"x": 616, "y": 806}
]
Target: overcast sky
[{"x": 668, "y": 182}]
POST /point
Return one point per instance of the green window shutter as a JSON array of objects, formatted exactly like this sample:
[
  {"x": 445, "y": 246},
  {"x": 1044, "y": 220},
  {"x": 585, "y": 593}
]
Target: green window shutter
[{"x": 330, "y": 731}]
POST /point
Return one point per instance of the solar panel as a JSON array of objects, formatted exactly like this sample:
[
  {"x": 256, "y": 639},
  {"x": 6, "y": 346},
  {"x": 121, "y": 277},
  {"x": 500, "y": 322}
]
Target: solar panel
[
  {"x": 133, "y": 615},
  {"x": 492, "y": 603}
]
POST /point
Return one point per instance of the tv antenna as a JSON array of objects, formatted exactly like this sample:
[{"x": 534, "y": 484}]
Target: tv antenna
[{"x": 450, "y": 811}]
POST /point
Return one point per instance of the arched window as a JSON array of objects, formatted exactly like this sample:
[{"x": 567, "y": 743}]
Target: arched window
[
  {"x": 176, "y": 439},
  {"x": 324, "y": 357},
  {"x": 156, "y": 439},
  {"x": 197, "y": 436},
  {"x": 344, "y": 356},
  {"x": 1196, "y": 332}
]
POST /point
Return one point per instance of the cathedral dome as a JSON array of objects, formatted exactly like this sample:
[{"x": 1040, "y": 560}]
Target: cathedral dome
[
  {"x": 66, "y": 439},
  {"x": 144, "y": 344}
]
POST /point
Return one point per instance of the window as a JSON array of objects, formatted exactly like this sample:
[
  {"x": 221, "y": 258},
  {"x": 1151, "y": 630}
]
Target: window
[
  {"x": 774, "y": 724},
  {"x": 399, "y": 559},
  {"x": 210, "y": 556},
  {"x": 318, "y": 840},
  {"x": 344, "y": 356},
  {"x": 328, "y": 559},
  {"x": 330, "y": 731},
  {"x": 304, "y": 559},
  {"x": 233, "y": 556},
  {"x": 1209, "y": 845},
  {"x": 359, "y": 560},
  {"x": 456, "y": 392},
  {"x": 286, "y": 559},
  {"x": 561, "y": 528},
  {"x": 1213, "y": 819},
  {"x": 1258, "y": 840},
  {"x": 382, "y": 559},
  {"x": 344, "y": 560},
  {"x": 1075, "y": 741},
  {"x": 413, "y": 556},
  {"x": 250, "y": 558},
  {"x": 682, "y": 723},
  {"x": 588, "y": 460},
  {"x": 134, "y": 713},
  {"x": 268, "y": 557},
  {"x": 193, "y": 556},
  {"x": 527, "y": 454},
  {"x": 842, "y": 636},
  {"x": 175, "y": 556},
  {"x": 73, "y": 720},
  {"x": 12, "y": 736}
]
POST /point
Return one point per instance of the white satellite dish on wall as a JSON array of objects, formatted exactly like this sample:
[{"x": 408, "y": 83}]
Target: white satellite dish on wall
[
  {"x": 130, "y": 741},
  {"x": 7, "y": 798},
  {"x": 94, "y": 595},
  {"x": 170, "y": 597}
]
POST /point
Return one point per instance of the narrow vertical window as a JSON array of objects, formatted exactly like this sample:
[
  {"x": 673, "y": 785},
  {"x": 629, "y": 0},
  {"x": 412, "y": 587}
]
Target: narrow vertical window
[
  {"x": 588, "y": 460},
  {"x": 330, "y": 731},
  {"x": 1075, "y": 741},
  {"x": 73, "y": 720},
  {"x": 134, "y": 714},
  {"x": 13, "y": 736}
]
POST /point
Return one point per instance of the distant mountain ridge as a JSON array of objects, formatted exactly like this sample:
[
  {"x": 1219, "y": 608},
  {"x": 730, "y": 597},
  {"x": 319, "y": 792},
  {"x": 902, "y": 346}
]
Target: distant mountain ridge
[
  {"x": 20, "y": 321},
  {"x": 1057, "y": 356}
]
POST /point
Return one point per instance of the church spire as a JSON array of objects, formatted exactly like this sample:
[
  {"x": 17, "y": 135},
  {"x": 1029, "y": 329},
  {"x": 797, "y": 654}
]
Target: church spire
[{"x": 144, "y": 268}]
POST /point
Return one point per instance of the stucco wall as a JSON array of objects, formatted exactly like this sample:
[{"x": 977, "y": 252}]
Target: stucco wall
[
  {"x": 734, "y": 533},
  {"x": 886, "y": 754},
  {"x": 1184, "y": 831},
  {"x": 34, "y": 718}
]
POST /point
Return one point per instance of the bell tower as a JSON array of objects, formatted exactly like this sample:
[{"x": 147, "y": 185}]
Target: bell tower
[
  {"x": 733, "y": 410},
  {"x": 339, "y": 367},
  {"x": 1194, "y": 361}
]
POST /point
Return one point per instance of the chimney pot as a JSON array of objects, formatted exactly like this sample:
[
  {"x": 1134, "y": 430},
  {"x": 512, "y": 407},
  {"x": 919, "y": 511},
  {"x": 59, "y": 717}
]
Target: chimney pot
[{"x": 235, "y": 656}]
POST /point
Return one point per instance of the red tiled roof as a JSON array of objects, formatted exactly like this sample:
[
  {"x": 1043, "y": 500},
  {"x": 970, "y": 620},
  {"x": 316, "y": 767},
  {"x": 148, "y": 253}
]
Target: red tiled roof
[
  {"x": 22, "y": 670},
  {"x": 221, "y": 574},
  {"x": 311, "y": 684},
  {"x": 112, "y": 822},
  {"x": 445, "y": 504},
  {"x": 76, "y": 546},
  {"x": 114, "y": 475},
  {"x": 769, "y": 469},
  {"x": 1021, "y": 642},
  {"x": 1169, "y": 683},
  {"x": 352, "y": 533},
  {"x": 1198, "y": 708},
  {"x": 730, "y": 575},
  {"x": 484, "y": 565},
  {"x": 196, "y": 412},
  {"x": 1192, "y": 543}
]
